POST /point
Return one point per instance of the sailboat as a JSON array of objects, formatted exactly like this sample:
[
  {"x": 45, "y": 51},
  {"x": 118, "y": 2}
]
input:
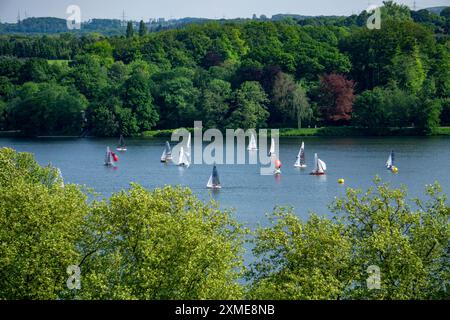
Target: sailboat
[
  {"x": 188, "y": 149},
  {"x": 214, "y": 182},
  {"x": 183, "y": 158},
  {"x": 301, "y": 161},
  {"x": 109, "y": 158},
  {"x": 272, "y": 147},
  {"x": 121, "y": 146},
  {"x": 319, "y": 166},
  {"x": 252, "y": 144},
  {"x": 167, "y": 153},
  {"x": 390, "y": 161}
]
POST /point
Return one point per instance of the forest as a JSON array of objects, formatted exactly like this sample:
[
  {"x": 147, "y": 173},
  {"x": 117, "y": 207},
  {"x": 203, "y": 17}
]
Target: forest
[{"x": 275, "y": 73}]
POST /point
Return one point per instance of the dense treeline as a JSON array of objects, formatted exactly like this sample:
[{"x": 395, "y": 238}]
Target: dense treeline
[
  {"x": 285, "y": 73},
  {"x": 167, "y": 244}
]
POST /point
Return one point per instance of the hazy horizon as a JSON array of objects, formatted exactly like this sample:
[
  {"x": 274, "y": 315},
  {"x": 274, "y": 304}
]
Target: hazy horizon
[{"x": 213, "y": 9}]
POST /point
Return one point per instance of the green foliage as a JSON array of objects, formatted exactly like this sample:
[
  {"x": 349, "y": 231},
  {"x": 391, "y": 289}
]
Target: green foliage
[
  {"x": 40, "y": 225},
  {"x": 47, "y": 108},
  {"x": 299, "y": 260},
  {"x": 326, "y": 258},
  {"x": 249, "y": 107},
  {"x": 163, "y": 244},
  {"x": 142, "y": 29},
  {"x": 215, "y": 103},
  {"x": 382, "y": 108},
  {"x": 409, "y": 246},
  {"x": 170, "y": 76},
  {"x": 130, "y": 30}
]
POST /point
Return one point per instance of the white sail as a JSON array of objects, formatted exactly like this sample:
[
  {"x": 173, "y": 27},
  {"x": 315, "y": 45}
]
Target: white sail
[
  {"x": 188, "y": 161},
  {"x": 390, "y": 161},
  {"x": 252, "y": 144},
  {"x": 168, "y": 151},
  {"x": 188, "y": 145},
  {"x": 316, "y": 162},
  {"x": 183, "y": 159},
  {"x": 322, "y": 166},
  {"x": 163, "y": 156},
  {"x": 210, "y": 184},
  {"x": 300, "y": 162},
  {"x": 188, "y": 149},
  {"x": 319, "y": 166},
  {"x": 214, "y": 181},
  {"x": 109, "y": 160},
  {"x": 272, "y": 147}
]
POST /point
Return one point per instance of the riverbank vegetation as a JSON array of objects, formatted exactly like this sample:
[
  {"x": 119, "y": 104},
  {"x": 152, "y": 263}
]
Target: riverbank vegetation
[
  {"x": 286, "y": 73},
  {"x": 167, "y": 244}
]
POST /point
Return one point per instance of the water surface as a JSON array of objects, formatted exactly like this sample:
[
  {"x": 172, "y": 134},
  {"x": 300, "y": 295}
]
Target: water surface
[{"x": 421, "y": 161}]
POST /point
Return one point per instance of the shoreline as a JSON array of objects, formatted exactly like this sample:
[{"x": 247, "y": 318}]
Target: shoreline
[{"x": 284, "y": 133}]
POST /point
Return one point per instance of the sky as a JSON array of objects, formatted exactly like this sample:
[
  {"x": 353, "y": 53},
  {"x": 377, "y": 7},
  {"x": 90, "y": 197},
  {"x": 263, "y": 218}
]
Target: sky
[{"x": 146, "y": 9}]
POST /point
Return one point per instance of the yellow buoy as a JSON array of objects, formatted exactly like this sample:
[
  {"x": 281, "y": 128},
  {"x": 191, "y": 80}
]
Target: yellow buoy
[
  {"x": 394, "y": 169},
  {"x": 341, "y": 181}
]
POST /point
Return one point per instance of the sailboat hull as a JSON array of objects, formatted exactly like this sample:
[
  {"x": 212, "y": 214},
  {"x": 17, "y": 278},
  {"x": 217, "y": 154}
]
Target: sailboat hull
[
  {"x": 300, "y": 165},
  {"x": 317, "y": 173},
  {"x": 121, "y": 149},
  {"x": 214, "y": 187}
]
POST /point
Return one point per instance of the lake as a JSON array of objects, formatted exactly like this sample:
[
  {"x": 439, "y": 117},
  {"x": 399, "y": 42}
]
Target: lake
[{"x": 421, "y": 160}]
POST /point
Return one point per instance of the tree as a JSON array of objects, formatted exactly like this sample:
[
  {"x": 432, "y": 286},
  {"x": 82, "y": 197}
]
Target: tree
[
  {"x": 445, "y": 13},
  {"x": 384, "y": 107},
  {"x": 300, "y": 260},
  {"x": 40, "y": 226},
  {"x": 130, "y": 30},
  {"x": 142, "y": 28},
  {"x": 303, "y": 108},
  {"x": 393, "y": 11},
  {"x": 102, "y": 121},
  {"x": 136, "y": 96},
  {"x": 331, "y": 258},
  {"x": 160, "y": 244},
  {"x": 289, "y": 101},
  {"x": 410, "y": 246},
  {"x": 47, "y": 108},
  {"x": 215, "y": 103},
  {"x": 89, "y": 76},
  {"x": 249, "y": 107},
  {"x": 283, "y": 89},
  {"x": 3, "y": 121},
  {"x": 335, "y": 98},
  {"x": 36, "y": 70},
  {"x": 177, "y": 98},
  {"x": 408, "y": 71}
]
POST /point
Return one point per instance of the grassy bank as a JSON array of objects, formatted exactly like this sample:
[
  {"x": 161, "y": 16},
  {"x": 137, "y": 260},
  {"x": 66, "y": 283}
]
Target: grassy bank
[
  {"x": 331, "y": 132},
  {"x": 303, "y": 132},
  {"x": 441, "y": 131}
]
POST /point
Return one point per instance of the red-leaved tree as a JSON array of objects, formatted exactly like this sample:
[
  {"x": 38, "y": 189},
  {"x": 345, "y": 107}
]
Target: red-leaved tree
[{"x": 336, "y": 95}]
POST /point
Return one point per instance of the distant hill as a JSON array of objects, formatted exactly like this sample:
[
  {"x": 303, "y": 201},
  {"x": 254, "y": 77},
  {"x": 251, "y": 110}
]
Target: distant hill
[
  {"x": 436, "y": 10},
  {"x": 277, "y": 17},
  {"x": 50, "y": 25}
]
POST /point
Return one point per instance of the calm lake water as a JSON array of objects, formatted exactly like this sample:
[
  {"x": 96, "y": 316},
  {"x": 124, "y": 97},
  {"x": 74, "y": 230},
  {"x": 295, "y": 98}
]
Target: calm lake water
[{"x": 420, "y": 161}]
